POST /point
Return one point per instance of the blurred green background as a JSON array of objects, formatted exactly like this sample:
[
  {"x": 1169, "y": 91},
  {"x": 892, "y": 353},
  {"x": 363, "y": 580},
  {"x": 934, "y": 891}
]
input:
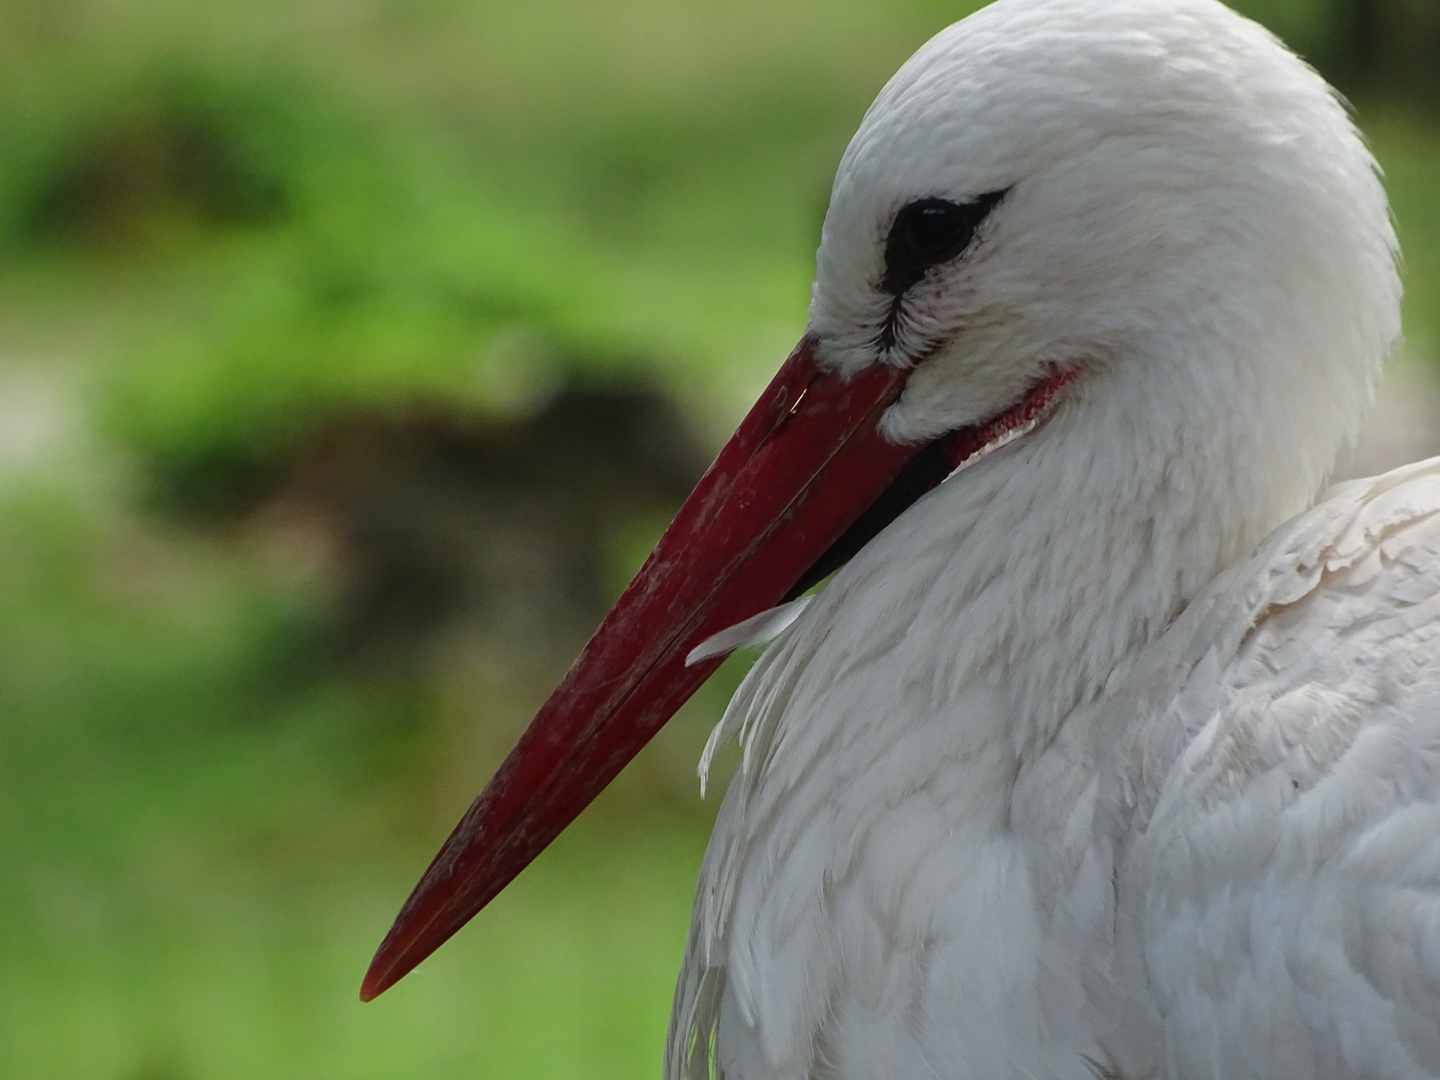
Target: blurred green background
[{"x": 352, "y": 353}]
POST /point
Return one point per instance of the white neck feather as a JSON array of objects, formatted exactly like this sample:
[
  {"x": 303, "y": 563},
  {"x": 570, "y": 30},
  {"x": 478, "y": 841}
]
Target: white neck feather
[{"x": 1040, "y": 571}]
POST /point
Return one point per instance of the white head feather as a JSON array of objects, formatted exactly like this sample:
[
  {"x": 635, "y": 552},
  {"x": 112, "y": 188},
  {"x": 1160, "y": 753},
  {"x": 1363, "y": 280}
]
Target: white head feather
[{"x": 1178, "y": 183}]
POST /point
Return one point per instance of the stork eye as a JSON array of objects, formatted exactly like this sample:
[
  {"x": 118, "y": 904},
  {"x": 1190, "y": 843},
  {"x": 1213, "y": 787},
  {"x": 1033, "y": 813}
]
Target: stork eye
[
  {"x": 928, "y": 232},
  {"x": 938, "y": 230}
]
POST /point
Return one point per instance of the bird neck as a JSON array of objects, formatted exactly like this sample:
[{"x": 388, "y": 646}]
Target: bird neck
[{"x": 1038, "y": 574}]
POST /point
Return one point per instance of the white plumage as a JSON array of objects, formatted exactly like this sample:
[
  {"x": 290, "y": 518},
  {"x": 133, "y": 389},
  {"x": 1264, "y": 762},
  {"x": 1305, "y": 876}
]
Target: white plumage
[{"x": 1063, "y": 776}]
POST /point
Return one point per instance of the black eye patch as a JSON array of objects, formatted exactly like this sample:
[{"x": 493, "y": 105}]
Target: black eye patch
[{"x": 928, "y": 232}]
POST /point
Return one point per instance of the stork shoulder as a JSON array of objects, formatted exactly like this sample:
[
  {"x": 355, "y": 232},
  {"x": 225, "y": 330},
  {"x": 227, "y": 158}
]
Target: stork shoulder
[{"x": 1282, "y": 878}]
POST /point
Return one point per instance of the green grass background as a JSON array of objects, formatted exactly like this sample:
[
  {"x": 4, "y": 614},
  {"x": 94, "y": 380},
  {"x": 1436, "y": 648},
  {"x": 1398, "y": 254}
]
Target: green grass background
[{"x": 202, "y": 837}]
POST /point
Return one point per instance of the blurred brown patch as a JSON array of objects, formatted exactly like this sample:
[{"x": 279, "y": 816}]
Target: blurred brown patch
[{"x": 421, "y": 519}]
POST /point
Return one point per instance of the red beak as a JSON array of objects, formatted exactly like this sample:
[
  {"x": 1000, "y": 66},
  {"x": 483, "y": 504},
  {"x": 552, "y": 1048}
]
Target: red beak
[{"x": 785, "y": 502}]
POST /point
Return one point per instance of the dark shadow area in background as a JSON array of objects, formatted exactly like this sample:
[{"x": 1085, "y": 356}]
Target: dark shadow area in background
[
  {"x": 430, "y": 516},
  {"x": 1386, "y": 48}
]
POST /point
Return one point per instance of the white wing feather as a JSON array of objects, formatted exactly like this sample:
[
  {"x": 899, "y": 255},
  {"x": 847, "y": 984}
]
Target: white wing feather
[{"x": 1282, "y": 883}]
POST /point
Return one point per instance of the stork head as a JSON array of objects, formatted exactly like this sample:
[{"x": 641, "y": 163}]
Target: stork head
[
  {"x": 1093, "y": 183},
  {"x": 1146, "y": 203}
]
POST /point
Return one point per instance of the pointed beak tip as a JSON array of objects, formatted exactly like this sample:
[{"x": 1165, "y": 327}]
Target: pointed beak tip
[
  {"x": 384, "y": 972},
  {"x": 409, "y": 942},
  {"x": 393, "y": 961},
  {"x": 376, "y": 980}
]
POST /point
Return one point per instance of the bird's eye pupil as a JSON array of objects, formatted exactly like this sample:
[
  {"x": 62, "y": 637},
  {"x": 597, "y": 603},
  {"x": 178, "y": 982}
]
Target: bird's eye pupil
[
  {"x": 928, "y": 232},
  {"x": 937, "y": 229}
]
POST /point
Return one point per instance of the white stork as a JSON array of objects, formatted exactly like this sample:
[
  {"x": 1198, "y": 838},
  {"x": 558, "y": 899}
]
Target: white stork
[{"x": 1102, "y": 756}]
